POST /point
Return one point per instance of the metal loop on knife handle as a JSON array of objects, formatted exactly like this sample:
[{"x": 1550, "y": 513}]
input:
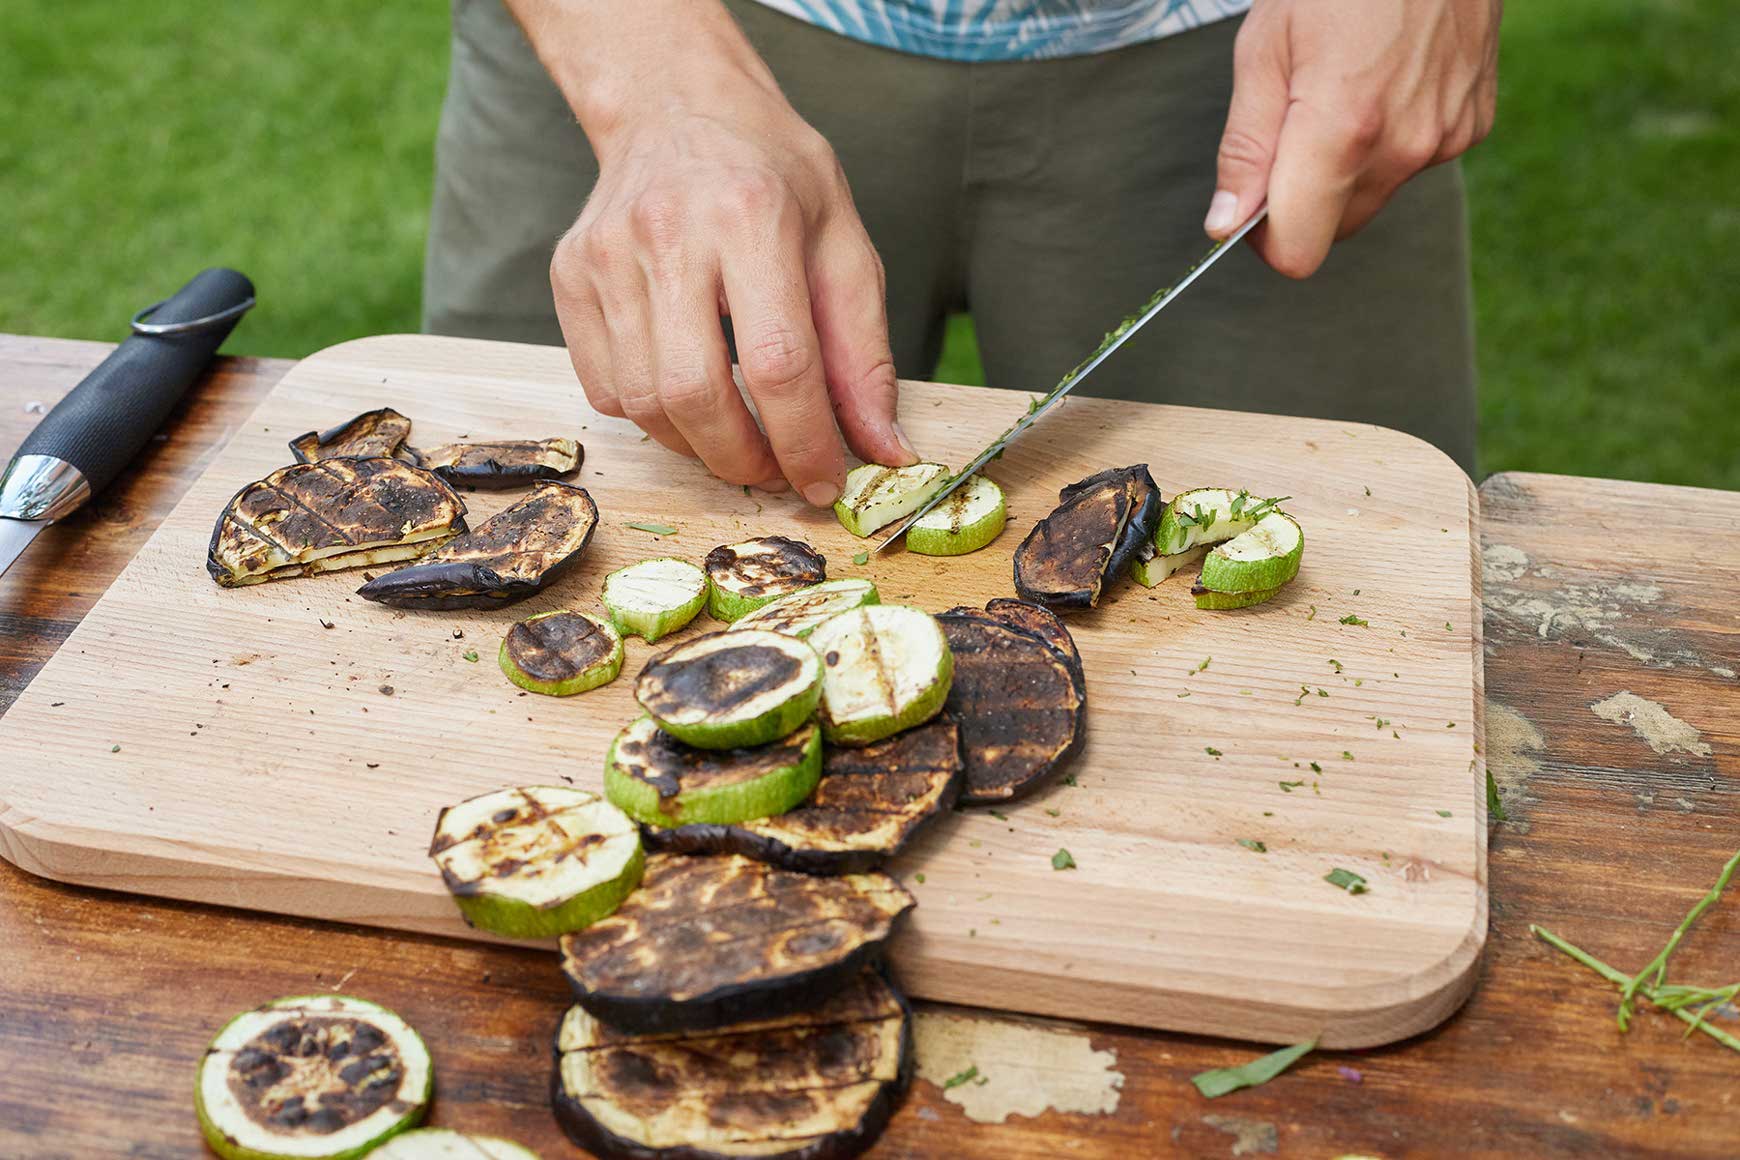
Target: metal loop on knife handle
[{"x": 140, "y": 326}]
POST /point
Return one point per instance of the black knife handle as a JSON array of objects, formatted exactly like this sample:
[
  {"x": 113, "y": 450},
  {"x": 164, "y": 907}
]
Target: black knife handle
[{"x": 103, "y": 422}]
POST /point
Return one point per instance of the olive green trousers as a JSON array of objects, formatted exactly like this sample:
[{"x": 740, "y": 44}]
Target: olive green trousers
[{"x": 1050, "y": 198}]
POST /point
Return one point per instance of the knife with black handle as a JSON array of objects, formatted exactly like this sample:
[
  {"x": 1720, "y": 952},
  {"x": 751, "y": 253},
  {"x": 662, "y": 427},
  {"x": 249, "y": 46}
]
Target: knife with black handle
[{"x": 83, "y": 443}]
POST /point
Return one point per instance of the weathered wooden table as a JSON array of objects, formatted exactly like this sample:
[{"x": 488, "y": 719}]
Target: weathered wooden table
[{"x": 1613, "y": 726}]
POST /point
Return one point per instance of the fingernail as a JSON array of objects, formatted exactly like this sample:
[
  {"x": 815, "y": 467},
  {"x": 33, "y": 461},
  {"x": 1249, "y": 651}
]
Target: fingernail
[
  {"x": 905, "y": 443},
  {"x": 1221, "y": 210},
  {"x": 773, "y": 486},
  {"x": 822, "y": 493}
]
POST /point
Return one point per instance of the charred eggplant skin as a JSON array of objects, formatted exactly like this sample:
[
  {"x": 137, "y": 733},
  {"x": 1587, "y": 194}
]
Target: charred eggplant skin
[
  {"x": 368, "y": 443},
  {"x": 494, "y": 465},
  {"x": 1099, "y": 525},
  {"x": 1146, "y": 507}
]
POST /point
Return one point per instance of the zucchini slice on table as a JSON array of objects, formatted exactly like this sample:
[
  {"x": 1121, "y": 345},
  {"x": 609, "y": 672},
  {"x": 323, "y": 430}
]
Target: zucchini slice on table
[
  {"x": 818, "y": 1084},
  {"x": 1094, "y": 533},
  {"x": 659, "y": 781},
  {"x": 337, "y": 513},
  {"x": 743, "y": 577},
  {"x": 799, "y": 614},
  {"x": 971, "y": 517},
  {"x": 1226, "y": 601},
  {"x": 869, "y": 803},
  {"x": 731, "y": 689},
  {"x": 706, "y": 942},
  {"x": 885, "y": 667},
  {"x": 1260, "y": 560},
  {"x": 876, "y": 496},
  {"x": 375, "y": 433},
  {"x": 320, "y": 1077},
  {"x": 513, "y": 554},
  {"x": 446, "y": 1144},
  {"x": 1019, "y": 702},
  {"x": 1207, "y": 515},
  {"x": 504, "y": 462},
  {"x": 654, "y": 598},
  {"x": 1150, "y": 567},
  {"x": 561, "y": 653},
  {"x": 537, "y": 861}
]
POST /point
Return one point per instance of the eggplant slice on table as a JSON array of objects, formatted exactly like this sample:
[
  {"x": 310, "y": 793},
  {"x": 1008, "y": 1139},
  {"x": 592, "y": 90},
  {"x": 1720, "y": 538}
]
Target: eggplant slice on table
[
  {"x": 869, "y": 803},
  {"x": 742, "y": 577},
  {"x": 508, "y": 557},
  {"x": 819, "y": 1084},
  {"x": 503, "y": 463},
  {"x": 1019, "y": 701},
  {"x": 1093, "y": 534},
  {"x": 706, "y": 942},
  {"x": 328, "y": 515},
  {"x": 381, "y": 432}
]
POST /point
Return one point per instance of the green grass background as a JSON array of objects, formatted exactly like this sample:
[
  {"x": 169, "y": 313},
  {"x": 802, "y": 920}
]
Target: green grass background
[{"x": 293, "y": 141}]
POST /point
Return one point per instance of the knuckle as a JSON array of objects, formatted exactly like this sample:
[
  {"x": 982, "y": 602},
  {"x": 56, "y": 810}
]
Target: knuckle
[
  {"x": 1363, "y": 130},
  {"x": 656, "y": 219},
  {"x": 686, "y": 392},
  {"x": 749, "y": 194},
  {"x": 1242, "y": 149},
  {"x": 778, "y": 362}
]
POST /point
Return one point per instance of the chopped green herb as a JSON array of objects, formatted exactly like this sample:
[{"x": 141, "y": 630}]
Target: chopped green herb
[
  {"x": 1204, "y": 665},
  {"x": 1315, "y": 768},
  {"x": 1347, "y": 880},
  {"x": 1222, "y": 1080},
  {"x": 1381, "y": 722},
  {"x": 1062, "y": 860},
  {"x": 1335, "y": 664},
  {"x": 746, "y": 489},
  {"x": 114, "y": 749},
  {"x": 655, "y": 529},
  {"x": 1358, "y": 681},
  {"x": 1447, "y": 627},
  {"x": 1053, "y": 813},
  {"x": 1211, "y": 751},
  {"x": 959, "y": 1078},
  {"x": 1368, "y": 491},
  {"x": 1254, "y": 845},
  {"x": 1350, "y": 618},
  {"x": 470, "y": 654},
  {"x": 1442, "y": 813},
  {"x": 1186, "y": 693},
  {"x": 1313, "y": 615},
  {"x": 1346, "y": 756},
  {"x": 1069, "y": 779},
  {"x": 1494, "y": 806},
  {"x": 1323, "y": 692},
  {"x": 999, "y": 815},
  {"x": 861, "y": 558},
  {"x": 1356, "y": 592},
  {"x": 1289, "y": 786},
  {"x": 1258, "y": 511},
  {"x": 919, "y": 878},
  {"x": 1239, "y": 501}
]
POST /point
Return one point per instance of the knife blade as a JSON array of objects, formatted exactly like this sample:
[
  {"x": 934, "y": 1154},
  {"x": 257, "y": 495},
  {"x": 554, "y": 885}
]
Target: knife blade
[
  {"x": 1069, "y": 382},
  {"x": 88, "y": 437}
]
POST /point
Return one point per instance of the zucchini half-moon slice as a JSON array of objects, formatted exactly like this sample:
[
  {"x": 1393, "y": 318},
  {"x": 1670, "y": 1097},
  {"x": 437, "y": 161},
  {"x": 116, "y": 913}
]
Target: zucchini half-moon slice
[
  {"x": 537, "y": 861},
  {"x": 375, "y": 433},
  {"x": 337, "y": 513},
  {"x": 742, "y": 577},
  {"x": 707, "y": 942},
  {"x": 1093, "y": 533},
  {"x": 446, "y": 1144},
  {"x": 726, "y": 690},
  {"x": 1260, "y": 560},
  {"x": 869, "y": 803},
  {"x": 969, "y": 519},
  {"x": 659, "y": 781},
  {"x": 885, "y": 667},
  {"x": 513, "y": 554},
  {"x": 1206, "y": 515},
  {"x": 561, "y": 653},
  {"x": 818, "y": 1084},
  {"x": 654, "y": 597},
  {"x": 1151, "y": 567},
  {"x": 504, "y": 462},
  {"x": 799, "y": 613},
  {"x": 876, "y": 496},
  {"x": 318, "y": 1077}
]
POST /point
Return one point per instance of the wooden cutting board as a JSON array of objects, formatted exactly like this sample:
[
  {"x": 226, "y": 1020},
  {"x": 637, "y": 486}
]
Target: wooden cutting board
[{"x": 286, "y": 747}]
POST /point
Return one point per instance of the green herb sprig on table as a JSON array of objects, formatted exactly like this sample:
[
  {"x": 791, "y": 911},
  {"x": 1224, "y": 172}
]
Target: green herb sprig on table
[{"x": 1261, "y": 1070}]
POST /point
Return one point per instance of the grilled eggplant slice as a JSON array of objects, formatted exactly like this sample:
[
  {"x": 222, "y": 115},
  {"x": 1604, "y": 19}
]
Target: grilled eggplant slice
[
  {"x": 537, "y": 861},
  {"x": 373, "y": 433},
  {"x": 731, "y": 689},
  {"x": 969, "y": 519},
  {"x": 446, "y": 1144},
  {"x": 869, "y": 803},
  {"x": 707, "y": 942},
  {"x": 885, "y": 667},
  {"x": 322, "y": 1077},
  {"x": 1018, "y": 702},
  {"x": 1097, "y": 529},
  {"x": 655, "y": 597},
  {"x": 819, "y": 1084},
  {"x": 561, "y": 653},
  {"x": 504, "y": 462},
  {"x": 876, "y": 496},
  {"x": 508, "y": 557},
  {"x": 743, "y": 577},
  {"x": 1146, "y": 508},
  {"x": 337, "y": 513},
  {"x": 659, "y": 781},
  {"x": 799, "y": 614},
  {"x": 1042, "y": 623}
]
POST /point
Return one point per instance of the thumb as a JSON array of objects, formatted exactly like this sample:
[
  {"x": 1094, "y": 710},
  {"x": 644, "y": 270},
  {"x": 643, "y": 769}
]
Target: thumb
[
  {"x": 1253, "y": 126},
  {"x": 851, "y": 317}
]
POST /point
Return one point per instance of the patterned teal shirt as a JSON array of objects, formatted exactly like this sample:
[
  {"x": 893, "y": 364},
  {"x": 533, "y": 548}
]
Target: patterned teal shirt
[{"x": 1008, "y": 29}]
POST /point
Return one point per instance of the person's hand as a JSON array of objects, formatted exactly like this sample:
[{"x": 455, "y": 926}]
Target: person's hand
[
  {"x": 1336, "y": 103},
  {"x": 715, "y": 197}
]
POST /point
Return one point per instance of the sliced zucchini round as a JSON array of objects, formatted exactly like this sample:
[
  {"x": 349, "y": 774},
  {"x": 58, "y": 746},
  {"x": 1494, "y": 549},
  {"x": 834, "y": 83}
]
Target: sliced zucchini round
[
  {"x": 317, "y": 1077},
  {"x": 561, "y": 653},
  {"x": 726, "y": 690},
  {"x": 1150, "y": 567},
  {"x": 971, "y": 517},
  {"x": 885, "y": 667},
  {"x": 1225, "y": 601},
  {"x": 1263, "y": 558},
  {"x": 1205, "y": 515},
  {"x": 656, "y": 779},
  {"x": 876, "y": 496},
  {"x": 706, "y": 942},
  {"x": 446, "y": 1144},
  {"x": 654, "y": 597},
  {"x": 742, "y": 577},
  {"x": 798, "y": 614},
  {"x": 536, "y": 861},
  {"x": 803, "y": 1085}
]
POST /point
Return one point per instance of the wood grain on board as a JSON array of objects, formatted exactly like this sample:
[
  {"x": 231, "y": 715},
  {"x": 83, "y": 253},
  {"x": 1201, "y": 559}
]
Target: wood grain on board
[
  {"x": 263, "y": 761},
  {"x": 110, "y": 998}
]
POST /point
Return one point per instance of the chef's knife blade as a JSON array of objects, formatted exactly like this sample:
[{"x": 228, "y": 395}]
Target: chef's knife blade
[
  {"x": 1069, "y": 382},
  {"x": 89, "y": 436}
]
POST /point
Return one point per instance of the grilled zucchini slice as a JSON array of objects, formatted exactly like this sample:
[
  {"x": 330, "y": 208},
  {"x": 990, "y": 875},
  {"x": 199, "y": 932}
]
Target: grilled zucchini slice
[
  {"x": 971, "y": 517},
  {"x": 536, "y": 861},
  {"x": 1259, "y": 560},
  {"x": 885, "y": 667},
  {"x": 654, "y": 598},
  {"x": 799, "y": 613},
  {"x": 561, "y": 653},
  {"x": 726, "y": 690},
  {"x": 446, "y": 1144},
  {"x": 1151, "y": 567},
  {"x": 658, "y": 780},
  {"x": 743, "y": 577},
  {"x": 1226, "y": 601},
  {"x": 876, "y": 496}
]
